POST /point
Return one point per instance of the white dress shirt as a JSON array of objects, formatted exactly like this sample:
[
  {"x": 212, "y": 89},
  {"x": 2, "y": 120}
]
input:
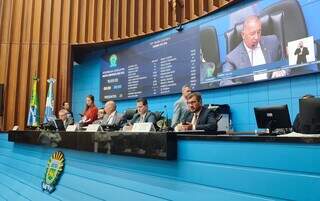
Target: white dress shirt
[
  {"x": 256, "y": 58},
  {"x": 110, "y": 118}
]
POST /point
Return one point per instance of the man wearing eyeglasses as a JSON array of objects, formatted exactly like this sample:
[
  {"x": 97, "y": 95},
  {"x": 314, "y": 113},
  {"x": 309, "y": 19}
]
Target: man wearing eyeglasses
[{"x": 197, "y": 117}]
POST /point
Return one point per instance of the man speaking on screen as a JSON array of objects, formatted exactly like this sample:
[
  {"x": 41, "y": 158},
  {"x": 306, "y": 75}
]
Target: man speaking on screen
[{"x": 254, "y": 50}]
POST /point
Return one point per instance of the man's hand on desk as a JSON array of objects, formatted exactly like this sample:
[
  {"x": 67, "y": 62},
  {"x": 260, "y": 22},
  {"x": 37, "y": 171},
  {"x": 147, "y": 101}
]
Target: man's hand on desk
[{"x": 184, "y": 127}]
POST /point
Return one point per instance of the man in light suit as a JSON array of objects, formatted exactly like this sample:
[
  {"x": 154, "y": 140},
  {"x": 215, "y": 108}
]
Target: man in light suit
[
  {"x": 111, "y": 117},
  {"x": 197, "y": 117},
  {"x": 252, "y": 51},
  {"x": 143, "y": 115},
  {"x": 180, "y": 106}
]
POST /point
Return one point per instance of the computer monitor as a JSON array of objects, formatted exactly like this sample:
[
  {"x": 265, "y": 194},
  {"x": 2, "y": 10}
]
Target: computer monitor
[
  {"x": 272, "y": 117},
  {"x": 310, "y": 115},
  {"x": 58, "y": 123}
]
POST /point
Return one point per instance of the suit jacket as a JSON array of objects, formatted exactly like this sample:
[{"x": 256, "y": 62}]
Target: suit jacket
[
  {"x": 238, "y": 58},
  {"x": 297, "y": 124},
  {"x": 179, "y": 110},
  {"x": 150, "y": 117},
  {"x": 69, "y": 121},
  {"x": 116, "y": 121},
  {"x": 301, "y": 58},
  {"x": 206, "y": 120}
]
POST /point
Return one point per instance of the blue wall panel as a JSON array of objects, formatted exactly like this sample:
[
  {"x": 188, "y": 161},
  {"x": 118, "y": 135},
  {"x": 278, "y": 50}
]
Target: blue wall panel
[{"x": 204, "y": 170}]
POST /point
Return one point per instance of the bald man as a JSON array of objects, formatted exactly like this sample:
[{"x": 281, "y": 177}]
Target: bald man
[
  {"x": 254, "y": 50},
  {"x": 63, "y": 115},
  {"x": 111, "y": 117}
]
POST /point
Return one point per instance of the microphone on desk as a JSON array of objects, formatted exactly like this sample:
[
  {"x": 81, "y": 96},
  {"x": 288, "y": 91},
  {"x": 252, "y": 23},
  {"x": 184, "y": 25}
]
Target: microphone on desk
[{"x": 165, "y": 125}]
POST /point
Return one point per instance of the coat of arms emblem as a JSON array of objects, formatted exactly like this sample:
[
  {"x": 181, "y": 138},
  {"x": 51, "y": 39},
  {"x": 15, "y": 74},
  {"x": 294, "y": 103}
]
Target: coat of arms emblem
[{"x": 54, "y": 169}]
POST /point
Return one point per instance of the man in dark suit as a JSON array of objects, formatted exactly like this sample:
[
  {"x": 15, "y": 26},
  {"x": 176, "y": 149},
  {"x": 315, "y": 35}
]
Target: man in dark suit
[
  {"x": 197, "y": 117},
  {"x": 301, "y": 53},
  {"x": 63, "y": 115},
  {"x": 254, "y": 50},
  {"x": 297, "y": 124},
  {"x": 143, "y": 115}
]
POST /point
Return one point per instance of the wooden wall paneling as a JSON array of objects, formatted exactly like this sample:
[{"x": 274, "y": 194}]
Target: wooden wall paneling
[
  {"x": 164, "y": 14},
  {"x": 223, "y": 2},
  {"x": 64, "y": 22},
  {"x": 4, "y": 60},
  {"x": 63, "y": 83},
  {"x": 21, "y": 97},
  {"x": 156, "y": 15},
  {"x": 91, "y": 21},
  {"x": 74, "y": 21},
  {"x": 211, "y": 6},
  {"x": 11, "y": 86},
  {"x": 17, "y": 14},
  {"x": 139, "y": 17},
  {"x": 180, "y": 11},
  {"x": 115, "y": 20},
  {"x": 4, "y": 55},
  {"x": 13, "y": 65},
  {"x": 172, "y": 13},
  {"x": 1, "y": 10},
  {"x": 46, "y": 22},
  {"x": 199, "y": 8},
  {"x": 107, "y": 21},
  {"x": 55, "y": 22},
  {"x": 82, "y": 21},
  {"x": 5, "y": 20},
  {"x": 189, "y": 4},
  {"x": 98, "y": 21},
  {"x": 36, "y": 22},
  {"x": 43, "y": 76},
  {"x": 27, "y": 22},
  {"x": 22, "y": 85},
  {"x": 123, "y": 19},
  {"x": 131, "y": 18},
  {"x": 147, "y": 16}
]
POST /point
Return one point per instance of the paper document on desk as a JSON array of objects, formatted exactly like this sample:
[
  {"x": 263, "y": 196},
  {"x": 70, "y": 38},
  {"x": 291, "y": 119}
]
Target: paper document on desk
[{"x": 294, "y": 134}]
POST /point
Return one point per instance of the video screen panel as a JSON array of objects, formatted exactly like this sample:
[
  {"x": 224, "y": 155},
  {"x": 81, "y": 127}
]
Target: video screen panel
[{"x": 261, "y": 40}]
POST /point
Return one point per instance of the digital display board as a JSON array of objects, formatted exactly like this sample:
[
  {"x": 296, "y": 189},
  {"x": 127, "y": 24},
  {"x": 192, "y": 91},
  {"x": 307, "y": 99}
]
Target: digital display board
[{"x": 261, "y": 41}]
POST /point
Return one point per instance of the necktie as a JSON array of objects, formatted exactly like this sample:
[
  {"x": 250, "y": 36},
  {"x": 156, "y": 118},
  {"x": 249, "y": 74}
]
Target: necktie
[
  {"x": 194, "y": 119},
  {"x": 142, "y": 118},
  {"x": 252, "y": 57}
]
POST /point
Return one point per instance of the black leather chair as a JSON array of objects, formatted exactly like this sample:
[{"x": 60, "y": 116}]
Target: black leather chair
[
  {"x": 210, "y": 47},
  {"x": 294, "y": 24},
  {"x": 271, "y": 24},
  {"x": 128, "y": 114}
]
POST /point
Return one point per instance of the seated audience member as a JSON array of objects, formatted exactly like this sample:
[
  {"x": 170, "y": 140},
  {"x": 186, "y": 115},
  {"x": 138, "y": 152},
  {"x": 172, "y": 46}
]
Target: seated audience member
[
  {"x": 143, "y": 115},
  {"x": 197, "y": 117},
  {"x": 90, "y": 112},
  {"x": 297, "y": 123},
  {"x": 111, "y": 117},
  {"x": 99, "y": 116},
  {"x": 63, "y": 115},
  {"x": 180, "y": 106},
  {"x": 66, "y": 106}
]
